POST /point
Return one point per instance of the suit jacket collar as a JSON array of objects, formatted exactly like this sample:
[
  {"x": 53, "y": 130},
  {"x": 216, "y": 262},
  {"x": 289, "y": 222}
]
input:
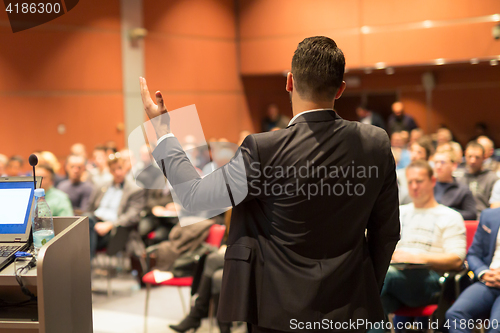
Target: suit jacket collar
[{"x": 316, "y": 116}]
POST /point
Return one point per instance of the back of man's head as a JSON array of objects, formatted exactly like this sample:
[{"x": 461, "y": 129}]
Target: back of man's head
[
  {"x": 488, "y": 145},
  {"x": 318, "y": 68}
]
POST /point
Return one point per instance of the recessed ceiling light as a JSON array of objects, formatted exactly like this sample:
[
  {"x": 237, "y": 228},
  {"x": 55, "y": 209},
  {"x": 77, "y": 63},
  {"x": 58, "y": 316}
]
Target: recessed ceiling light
[
  {"x": 427, "y": 24},
  {"x": 365, "y": 29},
  {"x": 493, "y": 62},
  {"x": 439, "y": 61},
  {"x": 380, "y": 65},
  {"x": 474, "y": 61},
  {"x": 495, "y": 17},
  {"x": 389, "y": 70}
]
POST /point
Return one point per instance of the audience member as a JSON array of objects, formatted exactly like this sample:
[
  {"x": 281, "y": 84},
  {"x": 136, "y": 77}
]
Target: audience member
[
  {"x": 58, "y": 201},
  {"x": 14, "y": 166},
  {"x": 495, "y": 195},
  {"x": 481, "y": 299},
  {"x": 398, "y": 143},
  {"x": 209, "y": 286},
  {"x": 399, "y": 121},
  {"x": 78, "y": 190},
  {"x": 3, "y": 164},
  {"x": 111, "y": 147},
  {"x": 489, "y": 149},
  {"x": 369, "y": 117},
  {"x": 116, "y": 205},
  {"x": 99, "y": 175},
  {"x": 447, "y": 190},
  {"x": 47, "y": 157},
  {"x": 415, "y": 134},
  {"x": 78, "y": 149},
  {"x": 274, "y": 119},
  {"x": 479, "y": 181},
  {"x": 420, "y": 150},
  {"x": 431, "y": 234}
]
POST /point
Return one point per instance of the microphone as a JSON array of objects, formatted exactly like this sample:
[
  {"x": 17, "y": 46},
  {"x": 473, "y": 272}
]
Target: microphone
[{"x": 33, "y": 161}]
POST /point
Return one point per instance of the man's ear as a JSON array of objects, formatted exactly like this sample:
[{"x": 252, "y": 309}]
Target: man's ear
[
  {"x": 289, "y": 82},
  {"x": 340, "y": 91}
]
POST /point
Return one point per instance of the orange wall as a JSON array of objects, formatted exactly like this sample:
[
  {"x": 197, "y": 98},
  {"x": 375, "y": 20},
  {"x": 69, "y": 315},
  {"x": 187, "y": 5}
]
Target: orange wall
[
  {"x": 191, "y": 56},
  {"x": 67, "y": 71},
  {"x": 271, "y": 29}
]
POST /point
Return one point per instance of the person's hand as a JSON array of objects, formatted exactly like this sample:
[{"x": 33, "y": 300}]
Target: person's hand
[
  {"x": 402, "y": 256},
  {"x": 491, "y": 278},
  {"x": 102, "y": 228},
  {"x": 157, "y": 113}
]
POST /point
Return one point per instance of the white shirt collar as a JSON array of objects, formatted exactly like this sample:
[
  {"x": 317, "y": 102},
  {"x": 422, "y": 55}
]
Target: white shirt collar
[{"x": 303, "y": 112}]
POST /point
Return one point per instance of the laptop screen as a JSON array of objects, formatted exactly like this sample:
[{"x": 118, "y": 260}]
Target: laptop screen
[{"x": 15, "y": 206}]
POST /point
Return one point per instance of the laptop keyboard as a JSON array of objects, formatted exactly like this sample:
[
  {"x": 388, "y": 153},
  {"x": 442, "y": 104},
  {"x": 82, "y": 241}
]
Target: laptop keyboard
[{"x": 6, "y": 251}]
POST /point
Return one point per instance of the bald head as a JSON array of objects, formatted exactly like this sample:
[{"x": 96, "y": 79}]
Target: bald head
[
  {"x": 397, "y": 108},
  {"x": 487, "y": 144}
]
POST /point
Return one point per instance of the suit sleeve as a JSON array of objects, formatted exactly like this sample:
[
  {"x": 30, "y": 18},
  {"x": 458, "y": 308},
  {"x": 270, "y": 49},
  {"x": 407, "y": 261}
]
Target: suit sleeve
[
  {"x": 225, "y": 187},
  {"x": 383, "y": 229},
  {"x": 476, "y": 254}
]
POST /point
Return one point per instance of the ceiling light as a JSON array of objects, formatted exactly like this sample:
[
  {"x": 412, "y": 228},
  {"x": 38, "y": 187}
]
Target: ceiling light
[
  {"x": 439, "y": 61},
  {"x": 365, "y": 29},
  {"x": 427, "y": 24}
]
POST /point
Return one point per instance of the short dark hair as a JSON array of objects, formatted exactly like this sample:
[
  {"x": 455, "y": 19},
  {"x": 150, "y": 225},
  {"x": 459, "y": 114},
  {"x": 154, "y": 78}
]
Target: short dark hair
[
  {"x": 426, "y": 143},
  {"x": 318, "y": 68},
  {"x": 16, "y": 158},
  {"x": 475, "y": 144},
  {"x": 49, "y": 170},
  {"x": 419, "y": 164}
]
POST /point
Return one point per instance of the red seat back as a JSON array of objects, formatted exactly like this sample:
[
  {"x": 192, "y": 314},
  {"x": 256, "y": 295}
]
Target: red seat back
[
  {"x": 215, "y": 235},
  {"x": 470, "y": 227}
]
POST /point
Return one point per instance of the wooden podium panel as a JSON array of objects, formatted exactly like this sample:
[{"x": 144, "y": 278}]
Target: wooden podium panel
[{"x": 61, "y": 282}]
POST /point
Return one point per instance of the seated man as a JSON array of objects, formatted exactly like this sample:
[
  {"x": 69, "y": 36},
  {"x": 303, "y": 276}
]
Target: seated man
[
  {"x": 58, "y": 201},
  {"x": 116, "y": 206},
  {"x": 447, "y": 191},
  {"x": 481, "y": 299},
  {"x": 77, "y": 190},
  {"x": 431, "y": 234},
  {"x": 419, "y": 150},
  {"x": 479, "y": 180}
]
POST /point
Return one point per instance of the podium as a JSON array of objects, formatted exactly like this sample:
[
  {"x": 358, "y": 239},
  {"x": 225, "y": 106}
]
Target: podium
[{"x": 61, "y": 281}]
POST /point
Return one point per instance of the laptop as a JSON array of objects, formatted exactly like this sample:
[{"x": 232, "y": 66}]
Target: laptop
[{"x": 16, "y": 202}]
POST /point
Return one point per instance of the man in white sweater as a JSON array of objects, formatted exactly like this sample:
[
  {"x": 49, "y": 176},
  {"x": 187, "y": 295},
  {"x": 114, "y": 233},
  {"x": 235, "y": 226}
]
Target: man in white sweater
[{"x": 432, "y": 235}]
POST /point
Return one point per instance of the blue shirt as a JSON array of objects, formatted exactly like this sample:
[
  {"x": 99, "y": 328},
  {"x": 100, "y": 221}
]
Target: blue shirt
[{"x": 110, "y": 202}]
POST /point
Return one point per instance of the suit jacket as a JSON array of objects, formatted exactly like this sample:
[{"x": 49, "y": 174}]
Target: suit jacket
[
  {"x": 131, "y": 203},
  {"x": 296, "y": 254},
  {"x": 484, "y": 244}
]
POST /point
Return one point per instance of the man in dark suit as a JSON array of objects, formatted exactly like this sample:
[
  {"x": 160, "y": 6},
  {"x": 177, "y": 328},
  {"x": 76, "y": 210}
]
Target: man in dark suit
[
  {"x": 481, "y": 299},
  {"x": 298, "y": 257}
]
